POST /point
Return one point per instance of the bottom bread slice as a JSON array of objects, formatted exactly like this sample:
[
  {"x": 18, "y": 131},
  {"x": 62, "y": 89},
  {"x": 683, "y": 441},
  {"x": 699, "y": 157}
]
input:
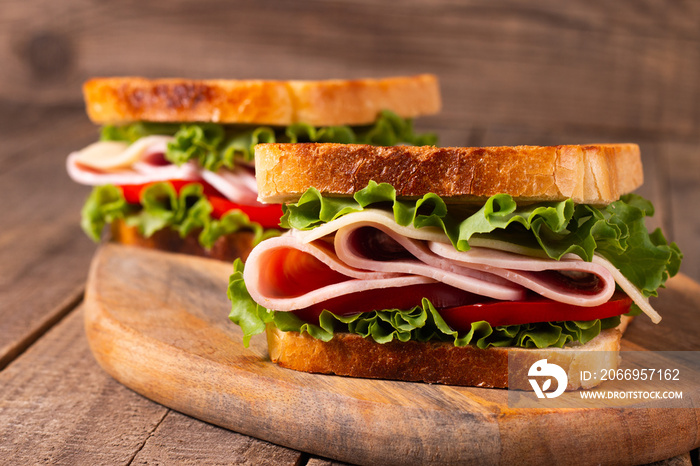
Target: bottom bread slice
[
  {"x": 227, "y": 248},
  {"x": 438, "y": 362}
]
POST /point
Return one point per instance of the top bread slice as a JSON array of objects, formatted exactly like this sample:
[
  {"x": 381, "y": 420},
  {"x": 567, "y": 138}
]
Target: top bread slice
[
  {"x": 318, "y": 103},
  {"x": 595, "y": 174}
]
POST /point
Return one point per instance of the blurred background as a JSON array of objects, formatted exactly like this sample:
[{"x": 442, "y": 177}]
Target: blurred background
[{"x": 512, "y": 72}]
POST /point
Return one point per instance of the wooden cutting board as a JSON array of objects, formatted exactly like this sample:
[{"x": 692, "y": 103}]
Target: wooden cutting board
[{"x": 158, "y": 323}]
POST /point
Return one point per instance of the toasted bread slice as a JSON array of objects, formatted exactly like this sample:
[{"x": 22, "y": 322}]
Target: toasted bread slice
[
  {"x": 436, "y": 362},
  {"x": 589, "y": 174},
  {"x": 319, "y": 103},
  {"x": 227, "y": 248}
]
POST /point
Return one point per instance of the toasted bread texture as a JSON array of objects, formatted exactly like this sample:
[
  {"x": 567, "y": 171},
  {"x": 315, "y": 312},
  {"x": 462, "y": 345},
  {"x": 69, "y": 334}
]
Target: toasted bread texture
[
  {"x": 589, "y": 174},
  {"x": 319, "y": 103},
  {"x": 438, "y": 362},
  {"x": 227, "y": 248}
]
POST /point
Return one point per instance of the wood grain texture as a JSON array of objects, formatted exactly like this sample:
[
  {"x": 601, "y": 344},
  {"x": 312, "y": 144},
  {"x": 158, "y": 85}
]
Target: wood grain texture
[
  {"x": 44, "y": 253},
  {"x": 59, "y": 407},
  {"x": 182, "y": 440},
  {"x": 581, "y": 64},
  {"x": 166, "y": 335}
]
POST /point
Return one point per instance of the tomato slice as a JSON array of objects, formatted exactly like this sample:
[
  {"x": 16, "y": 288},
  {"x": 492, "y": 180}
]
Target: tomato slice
[
  {"x": 498, "y": 313},
  {"x": 266, "y": 215},
  {"x": 290, "y": 273}
]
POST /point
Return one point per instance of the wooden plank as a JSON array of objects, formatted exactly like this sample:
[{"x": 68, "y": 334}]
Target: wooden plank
[
  {"x": 681, "y": 163},
  {"x": 32, "y": 132},
  {"x": 44, "y": 253},
  {"x": 602, "y": 65},
  {"x": 59, "y": 407},
  {"x": 180, "y": 439},
  {"x": 166, "y": 335}
]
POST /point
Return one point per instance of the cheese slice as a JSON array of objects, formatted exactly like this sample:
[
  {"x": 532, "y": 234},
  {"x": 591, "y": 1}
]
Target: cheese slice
[{"x": 113, "y": 155}]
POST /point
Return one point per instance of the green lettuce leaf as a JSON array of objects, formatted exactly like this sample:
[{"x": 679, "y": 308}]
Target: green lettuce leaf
[
  {"x": 246, "y": 313},
  {"x": 198, "y": 142},
  {"x": 213, "y": 145},
  {"x": 422, "y": 323},
  {"x": 104, "y": 205},
  {"x": 390, "y": 130},
  {"x": 162, "y": 207},
  {"x": 240, "y": 145},
  {"x": 616, "y": 232},
  {"x": 133, "y": 132}
]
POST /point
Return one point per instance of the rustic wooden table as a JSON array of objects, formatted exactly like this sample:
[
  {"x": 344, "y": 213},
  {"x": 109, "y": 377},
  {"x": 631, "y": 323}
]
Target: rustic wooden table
[{"x": 511, "y": 74}]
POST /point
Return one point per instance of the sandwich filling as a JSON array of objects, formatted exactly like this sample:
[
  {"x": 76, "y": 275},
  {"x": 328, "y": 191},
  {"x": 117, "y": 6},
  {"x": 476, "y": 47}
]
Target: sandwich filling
[
  {"x": 199, "y": 177},
  {"x": 503, "y": 274}
]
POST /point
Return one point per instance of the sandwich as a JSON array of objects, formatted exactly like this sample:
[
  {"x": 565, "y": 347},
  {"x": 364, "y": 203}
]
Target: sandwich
[
  {"x": 437, "y": 264},
  {"x": 174, "y": 167}
]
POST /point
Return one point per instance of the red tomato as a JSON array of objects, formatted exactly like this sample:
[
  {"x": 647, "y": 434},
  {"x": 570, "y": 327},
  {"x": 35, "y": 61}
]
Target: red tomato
[
  {"x": 291, "y": 272},
  {"x": 538, "y": 309},
  {"x": 267, "y": 215}
]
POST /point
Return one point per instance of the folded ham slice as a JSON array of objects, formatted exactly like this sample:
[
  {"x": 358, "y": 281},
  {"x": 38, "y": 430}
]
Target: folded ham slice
[
  {"x": 263, "y": 269},
  {"x": 414, "y": 255},
  {"x": 237, "y": 185},
  {"x": 525, "y": 271}
]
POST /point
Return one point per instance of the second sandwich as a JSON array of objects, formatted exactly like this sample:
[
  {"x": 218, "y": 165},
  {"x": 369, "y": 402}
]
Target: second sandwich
[{"x": 173, "y": 169}]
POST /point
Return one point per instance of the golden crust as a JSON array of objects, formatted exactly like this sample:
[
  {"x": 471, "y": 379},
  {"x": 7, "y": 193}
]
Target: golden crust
[
  {"x": 354, "y": 356},
  {"x": 588, "y": 174},
  {"x": 227, "y": 248},
  {"x": 319, "y": 103}
]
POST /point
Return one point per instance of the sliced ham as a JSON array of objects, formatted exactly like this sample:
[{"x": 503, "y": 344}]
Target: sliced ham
[
  {"x": 629, "y": 288},
  {"x": 262, "y": 269},
  {"x": 141, "y": 174},
  {"x": 374, "y": 216},
  {"x": 523, "y": 270},
  {"x": 118, "y": 163},
  {"x": 423, "y": 263},
  {"x": 425, "y": 254},
  {"x": 236, "y": 185},
  {"x": 441, "y": 261}
]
